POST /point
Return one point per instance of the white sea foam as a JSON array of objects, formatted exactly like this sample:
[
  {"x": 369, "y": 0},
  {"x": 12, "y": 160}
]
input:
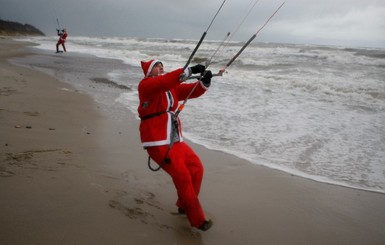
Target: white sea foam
[{"x": 317, "y": 112}]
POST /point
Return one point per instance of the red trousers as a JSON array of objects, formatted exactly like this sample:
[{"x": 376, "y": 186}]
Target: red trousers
[
  {"x": 186, "y": 171},
  {"x": 58, "y": 44}
]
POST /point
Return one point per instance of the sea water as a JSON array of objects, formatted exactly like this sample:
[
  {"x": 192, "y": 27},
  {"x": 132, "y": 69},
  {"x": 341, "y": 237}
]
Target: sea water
[{"x": 313, "y": 111}]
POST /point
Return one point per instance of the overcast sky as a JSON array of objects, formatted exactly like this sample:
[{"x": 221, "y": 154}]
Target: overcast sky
[{"x": 329, "y": 22}]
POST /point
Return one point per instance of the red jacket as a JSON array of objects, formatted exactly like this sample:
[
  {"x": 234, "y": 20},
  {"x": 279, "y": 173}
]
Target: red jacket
[
  {"x": 64, "y": 36},
  {"x": 158, "y": 101}
]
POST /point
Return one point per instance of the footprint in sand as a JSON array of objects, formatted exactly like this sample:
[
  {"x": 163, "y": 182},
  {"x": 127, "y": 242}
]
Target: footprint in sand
[
  {"x": 6, "y": 173},
  {"x": 6, "y": 91},
  {"x": 138, "y": 206},
  {"x": 32, "y": 114}
]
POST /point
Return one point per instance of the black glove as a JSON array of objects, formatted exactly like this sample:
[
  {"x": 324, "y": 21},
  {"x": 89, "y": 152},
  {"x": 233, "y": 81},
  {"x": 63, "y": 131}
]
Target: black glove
[
  {"x": 197, "y": 69},
  {"x": 206, "y": 80}
]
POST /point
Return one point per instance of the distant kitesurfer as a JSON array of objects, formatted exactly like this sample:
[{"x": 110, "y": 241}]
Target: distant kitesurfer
[
  {"x": 62, "y": 38},
  {"x": 161, "y": 132}
]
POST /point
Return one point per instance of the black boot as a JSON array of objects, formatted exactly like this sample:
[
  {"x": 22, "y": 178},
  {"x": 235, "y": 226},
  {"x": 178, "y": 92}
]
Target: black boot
[{"x": 206, "y": 225}]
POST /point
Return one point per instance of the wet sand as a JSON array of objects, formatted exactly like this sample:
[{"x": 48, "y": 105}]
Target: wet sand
[{"x": 70, "y": 174}]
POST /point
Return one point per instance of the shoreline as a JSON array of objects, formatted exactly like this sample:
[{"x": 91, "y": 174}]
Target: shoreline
[{"x": 87, "y": 182}]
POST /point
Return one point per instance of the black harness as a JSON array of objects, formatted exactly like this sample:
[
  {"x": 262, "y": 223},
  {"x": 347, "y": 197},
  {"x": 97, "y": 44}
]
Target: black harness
[
  {"x": 174, "y": 131},
  {"x": 149, "y": 116}
]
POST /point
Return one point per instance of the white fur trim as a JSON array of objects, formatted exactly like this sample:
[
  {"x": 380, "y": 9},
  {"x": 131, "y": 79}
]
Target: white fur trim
[{"x": 152, "y": 66}]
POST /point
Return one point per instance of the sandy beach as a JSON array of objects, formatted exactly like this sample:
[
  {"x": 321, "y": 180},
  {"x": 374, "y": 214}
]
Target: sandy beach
[{"x": 70, "y": 174}]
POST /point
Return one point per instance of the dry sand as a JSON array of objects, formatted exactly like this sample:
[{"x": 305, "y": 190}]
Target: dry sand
[{"x": 69, "y": 174}]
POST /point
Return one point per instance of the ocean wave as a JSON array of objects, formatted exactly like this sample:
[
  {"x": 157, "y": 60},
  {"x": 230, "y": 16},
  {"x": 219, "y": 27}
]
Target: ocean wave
[{"x": 313, "y": 111}]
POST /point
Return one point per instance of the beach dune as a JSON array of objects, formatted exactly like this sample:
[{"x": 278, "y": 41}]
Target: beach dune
[{"x": 70, "y": 174}]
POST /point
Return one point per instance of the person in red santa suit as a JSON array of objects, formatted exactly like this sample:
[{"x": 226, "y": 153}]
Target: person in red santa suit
[
  {"x": 62, "y": 39},
  {"x": 161, "y": 132}
]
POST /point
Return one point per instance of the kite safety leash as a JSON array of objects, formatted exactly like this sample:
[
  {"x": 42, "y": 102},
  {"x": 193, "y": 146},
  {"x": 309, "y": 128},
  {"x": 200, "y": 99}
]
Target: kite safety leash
[{"x": 208, "y": 62}]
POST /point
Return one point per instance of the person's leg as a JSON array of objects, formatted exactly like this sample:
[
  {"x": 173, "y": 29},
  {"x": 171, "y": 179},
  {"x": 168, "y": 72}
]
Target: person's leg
[
  {"x": 183, "y": 181},
  {"x": 194, "y": 166},
  {"x": 64, "y": 47}
]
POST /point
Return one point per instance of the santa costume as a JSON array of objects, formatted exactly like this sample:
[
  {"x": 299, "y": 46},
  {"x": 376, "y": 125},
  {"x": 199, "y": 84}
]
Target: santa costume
[{"x": 158, "y": 100}]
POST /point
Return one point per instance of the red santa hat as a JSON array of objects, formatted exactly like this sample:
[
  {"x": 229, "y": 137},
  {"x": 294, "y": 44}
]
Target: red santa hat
[{"x": 148, "y": 65}]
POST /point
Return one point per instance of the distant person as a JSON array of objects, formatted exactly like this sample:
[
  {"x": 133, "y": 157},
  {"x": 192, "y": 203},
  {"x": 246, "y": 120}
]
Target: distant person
[
  {"x": 62, "y": 38},
  {"x": 161, "y": 132}
]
